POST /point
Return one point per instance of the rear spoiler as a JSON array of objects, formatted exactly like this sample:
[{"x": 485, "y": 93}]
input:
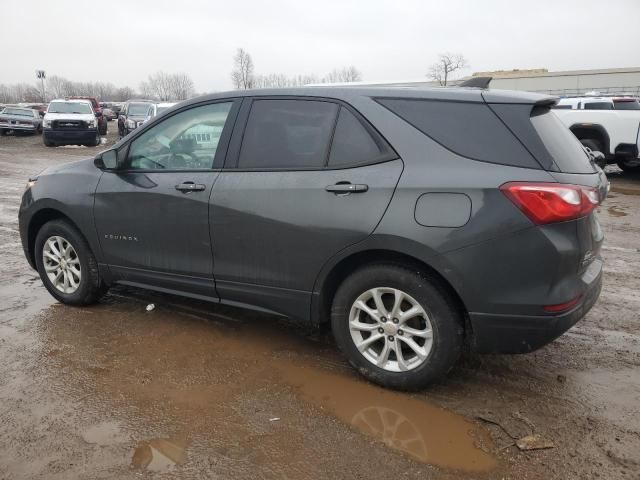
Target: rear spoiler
[{"x": 476, "y": 82}]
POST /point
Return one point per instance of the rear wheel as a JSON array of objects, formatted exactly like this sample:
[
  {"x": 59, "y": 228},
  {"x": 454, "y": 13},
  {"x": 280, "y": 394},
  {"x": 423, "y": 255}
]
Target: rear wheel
[
  {"x": 66, "y": 264},
  {"x": 397, "y": 326},
  {"x": 593, "y": 144},
  {"x": 628, "y": 165}
]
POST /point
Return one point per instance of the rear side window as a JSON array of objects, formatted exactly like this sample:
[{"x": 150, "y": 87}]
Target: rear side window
[
  {"x": 288, "y": 134},
  {"x": 468, "y": 129},
  {"x": 598, "y": 106},
  {"x": 353, "y": 144},
  {"x": 626, "y": 105},
  {"x": 563, "y": 146}
]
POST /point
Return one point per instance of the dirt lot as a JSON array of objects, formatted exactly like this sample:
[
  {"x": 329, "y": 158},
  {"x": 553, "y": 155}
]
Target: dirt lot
[{"x": 193, "y": 390}]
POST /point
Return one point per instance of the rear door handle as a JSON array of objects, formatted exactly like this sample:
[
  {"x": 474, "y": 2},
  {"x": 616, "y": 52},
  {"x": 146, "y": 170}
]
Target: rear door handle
[
  {"x": 187, "y": 187},
  {"x": 347, "y": 188}
]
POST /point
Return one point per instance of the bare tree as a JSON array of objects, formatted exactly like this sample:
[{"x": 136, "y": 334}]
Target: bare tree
[
  {"x": 447, "y": 63},
  {"x": 242, "y": 74},
  {"x": 182, "y": 86},
  {"x": 123, "y": 94},
  {"x": 343, "y": 75}
]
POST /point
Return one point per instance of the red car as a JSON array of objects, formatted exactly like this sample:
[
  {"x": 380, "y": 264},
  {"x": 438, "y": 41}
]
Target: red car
[{"x": 102, "y": 120}]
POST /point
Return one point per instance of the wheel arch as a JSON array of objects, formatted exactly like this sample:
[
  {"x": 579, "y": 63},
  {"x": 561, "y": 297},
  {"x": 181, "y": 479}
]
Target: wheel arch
[
  {"x": 584, "y": 131},
  {"x": 332, "y": 276},
  {"x": 36, "y": 222}
]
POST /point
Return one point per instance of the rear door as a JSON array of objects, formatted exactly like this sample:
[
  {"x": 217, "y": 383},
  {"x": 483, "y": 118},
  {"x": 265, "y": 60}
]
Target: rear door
[{"x": 305, "y": 178}]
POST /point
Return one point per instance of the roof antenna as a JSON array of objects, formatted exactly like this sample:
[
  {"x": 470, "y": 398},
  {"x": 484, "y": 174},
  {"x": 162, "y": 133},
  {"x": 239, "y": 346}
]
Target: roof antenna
[{"x": 476, "y": 82}]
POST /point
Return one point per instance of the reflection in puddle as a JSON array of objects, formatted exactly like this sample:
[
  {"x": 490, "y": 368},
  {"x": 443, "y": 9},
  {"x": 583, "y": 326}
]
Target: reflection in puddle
[
  {"x": 159, "y": 454},
  {"x": 207, "y": 374},
  {"x": 402, "y": 422}
]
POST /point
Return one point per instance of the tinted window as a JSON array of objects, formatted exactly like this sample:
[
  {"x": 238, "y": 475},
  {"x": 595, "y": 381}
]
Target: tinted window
[
  {"x": 468, "y": 129},
  {"x": 626, "y": 104},
  {"x": 187, "y": 140},
  {"x": 563, "y": 146},
  {"x": 598, "y": 106},
  {"x": 287, "y": 134},
  {"x": 352, "y": 143}
]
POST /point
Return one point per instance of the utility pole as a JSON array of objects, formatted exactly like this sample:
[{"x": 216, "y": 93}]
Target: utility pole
[{"x": 41, "y": 74}]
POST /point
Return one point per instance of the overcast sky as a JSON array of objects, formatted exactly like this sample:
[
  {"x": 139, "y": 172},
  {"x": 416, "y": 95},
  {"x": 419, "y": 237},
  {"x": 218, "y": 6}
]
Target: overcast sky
[{"x": 123, "y": 41}]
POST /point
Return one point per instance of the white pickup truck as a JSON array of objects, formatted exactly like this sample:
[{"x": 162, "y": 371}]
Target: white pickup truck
[{"x": 610, "y": 125}]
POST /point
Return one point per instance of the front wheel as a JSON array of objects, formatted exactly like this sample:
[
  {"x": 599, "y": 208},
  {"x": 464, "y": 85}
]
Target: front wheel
[
  {"x": 398, "y": 327},
  {"x": 66, "y": 264}
]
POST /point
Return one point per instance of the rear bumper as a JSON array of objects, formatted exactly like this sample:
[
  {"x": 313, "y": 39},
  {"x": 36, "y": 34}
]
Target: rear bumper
[
  {"x": 70, "y": 136},
  {"x": 499, "y": 333}
]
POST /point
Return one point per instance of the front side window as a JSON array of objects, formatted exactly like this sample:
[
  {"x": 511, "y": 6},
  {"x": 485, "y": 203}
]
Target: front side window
[
  {"x": 287, "y": 134},
  {"x": 185, "y": 141}
]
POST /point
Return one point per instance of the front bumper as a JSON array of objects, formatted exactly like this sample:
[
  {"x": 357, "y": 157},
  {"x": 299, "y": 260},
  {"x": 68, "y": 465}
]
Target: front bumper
[
  {"x": 70, "y": 136},
  {"x": 18, "y": 128},
  {"x": 500, "y": 333}
]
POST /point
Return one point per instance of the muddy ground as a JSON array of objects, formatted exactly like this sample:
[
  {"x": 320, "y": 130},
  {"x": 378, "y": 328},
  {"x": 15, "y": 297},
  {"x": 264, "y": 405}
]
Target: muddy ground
[{"x": 195, "y": 390}]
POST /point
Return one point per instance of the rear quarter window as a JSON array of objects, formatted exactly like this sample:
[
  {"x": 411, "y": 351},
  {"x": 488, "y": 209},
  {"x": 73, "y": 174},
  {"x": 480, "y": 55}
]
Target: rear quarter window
[
  {"x": 468, "y": 129},
  {"x": 565, "y": 149}
]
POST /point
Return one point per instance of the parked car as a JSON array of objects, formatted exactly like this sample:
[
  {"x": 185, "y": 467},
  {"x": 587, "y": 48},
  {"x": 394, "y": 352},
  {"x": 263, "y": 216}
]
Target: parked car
[
  {"x": 70, "y": 122},
  {"x": 414, "y": 220},
  {"x": 132, "y": 115},
  {"x": 605, "y": 124},
  {"x": 109, "y": 114},
  {"x": 102, "y": 121},
  {"x": 41, "y": 108},
  {"x": 158, "y": 108},
  {"x": 19, "y": 119}
]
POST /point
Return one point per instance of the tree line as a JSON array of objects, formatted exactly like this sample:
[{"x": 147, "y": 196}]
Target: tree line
[
  {"x": 243, "y": 75},
  {"x": 160, "y": 86}
]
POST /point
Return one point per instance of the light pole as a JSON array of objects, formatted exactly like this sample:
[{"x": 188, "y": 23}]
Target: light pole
[{"x": 41, "y": 74}]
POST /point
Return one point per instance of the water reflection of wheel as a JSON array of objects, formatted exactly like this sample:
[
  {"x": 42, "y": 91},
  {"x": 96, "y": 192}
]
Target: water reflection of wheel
[{"x": 393, "y": 428}]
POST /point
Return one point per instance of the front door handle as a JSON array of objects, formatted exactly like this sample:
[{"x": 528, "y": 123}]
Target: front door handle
[
  {"x": 347, "y": 188},
  {"x": 187, "y": 187}
]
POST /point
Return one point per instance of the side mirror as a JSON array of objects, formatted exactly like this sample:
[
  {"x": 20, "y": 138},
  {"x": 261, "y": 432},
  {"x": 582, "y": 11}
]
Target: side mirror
[{"x": 107, "y": 160}]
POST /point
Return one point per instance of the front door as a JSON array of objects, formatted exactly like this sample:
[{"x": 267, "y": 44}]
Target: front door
[
  {"x": 310, "y": 179},
  {"x": 152, "y": 214}
]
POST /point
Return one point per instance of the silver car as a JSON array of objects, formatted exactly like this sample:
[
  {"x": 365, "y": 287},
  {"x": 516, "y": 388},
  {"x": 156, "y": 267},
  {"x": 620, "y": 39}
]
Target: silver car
[{"x": 20, "y": 119}]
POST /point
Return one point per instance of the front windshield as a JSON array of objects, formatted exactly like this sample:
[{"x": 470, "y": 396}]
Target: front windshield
[
  {"x": 21, "y": 112},
  {"x": 69, "y": 107},
  {"x": 140, "y": 109}
]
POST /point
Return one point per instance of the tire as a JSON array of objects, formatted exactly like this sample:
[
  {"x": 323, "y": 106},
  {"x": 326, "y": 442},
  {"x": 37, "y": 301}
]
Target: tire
[
  {"x": 439, "y": 314},
  {"x": 2, "y": 132},
  {"x": 39, "y": 130},
  {"x": 593, "y": 144},
  {"x": 625, "y": 167},
  {"x": 103, "y": 130},
  {"x": 90, "y": 286},
  {"x": 47, "y": 143},
  {"x": 96, "y": 141}
]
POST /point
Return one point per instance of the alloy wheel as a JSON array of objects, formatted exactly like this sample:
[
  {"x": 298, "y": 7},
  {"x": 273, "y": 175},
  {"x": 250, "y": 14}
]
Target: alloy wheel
[
  {"x": 61, "y": 264},
  {"x": 391, "y": 329}
]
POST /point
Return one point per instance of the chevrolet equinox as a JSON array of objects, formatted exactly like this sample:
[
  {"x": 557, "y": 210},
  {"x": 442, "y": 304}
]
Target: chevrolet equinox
[{"x": 416, "y": 221}]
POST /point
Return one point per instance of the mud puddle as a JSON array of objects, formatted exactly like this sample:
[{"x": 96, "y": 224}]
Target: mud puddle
[
  {"x": 222, "y": 381},
  {"x": 616, "y": 212}
]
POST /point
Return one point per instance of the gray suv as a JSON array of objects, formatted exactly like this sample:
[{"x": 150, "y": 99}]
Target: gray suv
[{"x": 415, "y": 221}]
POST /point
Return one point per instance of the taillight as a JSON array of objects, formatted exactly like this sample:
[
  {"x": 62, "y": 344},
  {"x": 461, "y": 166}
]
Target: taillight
[{"x": 551, "y": 202}]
